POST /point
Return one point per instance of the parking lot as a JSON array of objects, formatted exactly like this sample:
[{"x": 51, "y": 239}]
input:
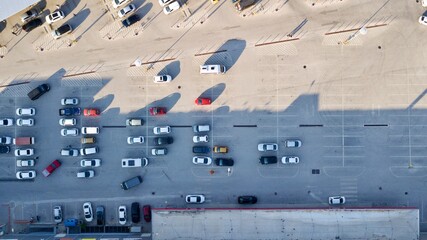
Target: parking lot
[{"x": 358, "y": 108}]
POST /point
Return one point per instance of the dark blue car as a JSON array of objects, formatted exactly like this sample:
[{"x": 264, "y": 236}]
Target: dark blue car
[{"x": 72, "y": 111}]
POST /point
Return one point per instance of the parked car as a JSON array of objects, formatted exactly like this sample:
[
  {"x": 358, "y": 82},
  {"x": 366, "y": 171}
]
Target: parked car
[
  {"x": 61, "y": 31},
  {"x": 201, "y": 149},
  {"x": 171, "y": 7},
  {"x": 122, "y": 215},
  {"x": 6, "y": 122},
  {"x": 90, "y": 162},
  {"x": 32, "y": 24},
  {"x": 26, "y": 174},
  {"x": 69, "y": 101},
  {"x": 86, "y": 174},
  {"x": 159, "y": 151},
  {"x": 162, "y": 130},
  {"x": 146, "y": 209},
  {"x": 198, "y": 139},
  {"x": 195, "y": 198},
  {"x": 165, "y": 2},
  {"x": 55, "y": 16},
  {"x": 91, "y": 112},
  {"x": 154, "y": 111},
  {"x": 201, "y": 128},
  {"x": 134, "y": 122},
  {"x": 220, "y": 149},
  {"x": 202, "y": 160},
  {"x": 28, "y": 122},
  {"x": 89, "y": 151},
  {"x": 24, "y": 152},
  {"x": 160, "y": 141},
  {"x": 131, "y": 183},
  {"x": 162, "y": 78},
  {"x": 100, "y": 215},
  {"x": 423, "y": 18},
  {"x": 126, "y": 11},
  {"x": 227, "y": 162},
  {"x": 69, "y": 132},
  {"x": 87, "y": 211},
  {"x": 337, "y": 200},
  {"x": 133, "y": 140},
  {"x": 67, "y": 122},
  {"x": 4, "y": 149},
  {"x": 134, "y": 162},
  {"x": 268, "y": 160},
  {"x": 293, "y": 143},
  {"x": 290, "y": 160},
  {"x": 73, "y": 152},
  {"x": 118, "y": 3},
  {"x": 25, "y": 111},
  {"x": 135, "y": 212},
  {"x": 51, "y": 168},
  {"x": 5, "y": 140},
  {"x": 247, "y": 199},
  {"x": 71, "y": 111},
  {"x": 263, "y": 147},
  {"x": 28, "y": 15},
  {"x": 25, "y": 163},
  {"x": 202, "y": 101},
  {"x": 57, "y": 214},
  {"x": 131, "y": 20}
]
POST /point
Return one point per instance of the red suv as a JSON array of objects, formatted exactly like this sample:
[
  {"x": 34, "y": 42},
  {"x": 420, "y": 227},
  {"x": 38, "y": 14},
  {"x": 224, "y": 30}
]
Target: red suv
[
  {"x": 91, "y": 112},
  {"x": 147, "y": 213},
  {"x": 51, "y": 168}
]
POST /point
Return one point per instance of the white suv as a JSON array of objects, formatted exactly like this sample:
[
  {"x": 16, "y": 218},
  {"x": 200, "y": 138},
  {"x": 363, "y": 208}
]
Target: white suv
[
  {"x": 161, "y": 130},
  {"x": 293, "y": 143},
  {"x": 25, "y": 111},
  {"x": 24, "y": 152}
]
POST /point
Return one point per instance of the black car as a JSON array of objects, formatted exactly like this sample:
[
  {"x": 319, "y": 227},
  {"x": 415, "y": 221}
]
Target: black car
[
  {"x": 32, "y": 24},
  {"x": 100, "y": 215},
  {"x": 4, "y": 149},
  {"x": 62, "y": 30},
  {"x": 73, "y": 111},
  {"x": 131, "y": 20},
  {"x": 136, "y": 217},
  {"x": 201, "y": 149},
  {"x": 247, "y": 200},
  {"x": 38, "y": 91},
  {"x": 268, "y": 160},
  {"x": 163, "y": 140},
  {"x": 224, "y": 162}
]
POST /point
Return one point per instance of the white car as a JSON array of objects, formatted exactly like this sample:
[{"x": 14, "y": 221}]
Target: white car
[
  {"x": 72, "y": 152},
  {"x": 118, "y": 3},
  {"x": 5, "y": 140},
  {"x": 122, "y": 215},
  {"x": 6, "y": 122},
  {"x": 171, "y": 7},
  {"x": 126, "y": 11},
  {"x": 24, "y": 152},
  {"x": 26, "y": 174},
  {"x": 195, "y": 199},
  {"x": 336, "y": 200},
  {"x": 69, "y": 101},
  {"x": 198, "y": 139},
  {"x": 55, "y": 16},
  {"x": 25, "y": 163},
  {"x": 67, "y": 122},
  {"x": 202, "y": 160},
  {"x": 423, "y": 19},
  {"x": 162, "y": 130},
  {"x": 57, "y": 214},
  {"x": 86, "y": 174},
  {"x": 134, "y": 162},
  {"x": 424, "y": 3},
  {"x": 263, "y": 147},
  {"x": 87, "y": 211},
  {"x": 25, "y": 122},
  {"x": 164, "y": 2},
  {"x": 290, "y": 160},
  {"x": 25, "y": 111},
  {"x": 162, "y": 78},
  {"x": 293, "y": 143},
  {"x": 90, "y": 163},
  {"x": 133, "y": 140},
  {"x": 69, "y": 132},
  {"x": 159, "y": 151}
]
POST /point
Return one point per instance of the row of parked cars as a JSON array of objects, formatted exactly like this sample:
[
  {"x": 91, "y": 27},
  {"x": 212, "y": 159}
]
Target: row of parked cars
[{"x": 273, "y": 147}]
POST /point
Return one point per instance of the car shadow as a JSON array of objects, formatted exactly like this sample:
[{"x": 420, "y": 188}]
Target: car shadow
[
  {"x": 172, "y": 69},
  {"x": 103, "y": 102},
  {"x": 76, "y": 21},
  {"x": 228, "y": 53},
  {"x": 214, "y": 92},
  {"x": 143, "y": 10},
  {"x": 3, "y": 25}
]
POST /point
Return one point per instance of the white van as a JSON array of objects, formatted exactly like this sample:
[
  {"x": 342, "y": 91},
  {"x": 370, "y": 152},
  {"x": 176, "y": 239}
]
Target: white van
[
  {"x": 212, "y": 69},
  {"x": 201, "y": 128},
  {"x": 90, "y": 130},
  {"x": 89, "y": 151}
]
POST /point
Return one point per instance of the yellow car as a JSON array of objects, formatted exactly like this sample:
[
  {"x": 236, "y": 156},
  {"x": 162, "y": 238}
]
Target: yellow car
[{"x": 220, "y": 149}]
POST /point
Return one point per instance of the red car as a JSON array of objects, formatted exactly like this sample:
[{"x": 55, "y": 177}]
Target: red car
[
  {"x": 51, "y": 168},
  {"x": 91, "y": 112},
  {"x": 202, "y": 101},
  {"x": 157, "y": 111},
  {"x": 147, "y": 213}
]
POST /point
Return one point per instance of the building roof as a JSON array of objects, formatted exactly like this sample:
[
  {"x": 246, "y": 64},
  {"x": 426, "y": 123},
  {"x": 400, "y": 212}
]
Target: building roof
[
  {"x": 7, "y": 9},
  {"x": 389, "y": 223}
]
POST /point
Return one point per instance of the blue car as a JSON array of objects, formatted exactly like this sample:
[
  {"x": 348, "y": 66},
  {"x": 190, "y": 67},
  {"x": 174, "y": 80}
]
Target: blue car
[{"x": 72, "y": 111}]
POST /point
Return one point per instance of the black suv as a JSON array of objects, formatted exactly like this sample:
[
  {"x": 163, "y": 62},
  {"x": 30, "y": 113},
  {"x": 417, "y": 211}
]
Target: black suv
[
  {"x": 224, "y": 162},
  {"x": 247, "y": 200},
  {"x": 268, "y": 160},
  {"x": 4, "y": 149},
  {"x": 163, "y": 140},
  {"x": 130, "y": 20},
  {"x": 38, "y": 91},
  {"x": 201, "y": 149},
  {"x": 100, "y": 215},
  {"x": 134, "y": 210},
  {"x": 32, "y": 24}
]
